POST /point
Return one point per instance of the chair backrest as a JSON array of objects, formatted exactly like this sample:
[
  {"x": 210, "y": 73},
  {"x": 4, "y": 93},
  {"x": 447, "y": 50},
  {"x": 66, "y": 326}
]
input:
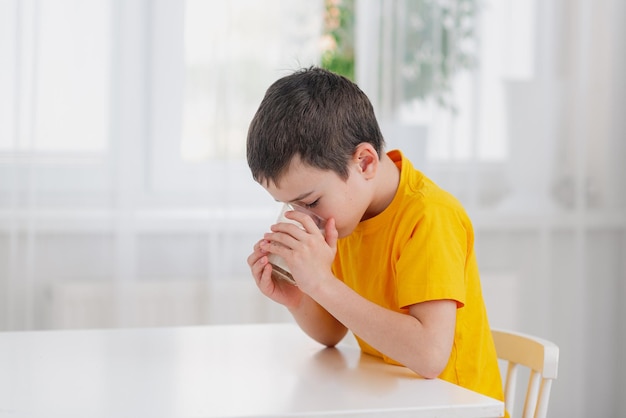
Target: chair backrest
[{"x": 540, "y": 356}]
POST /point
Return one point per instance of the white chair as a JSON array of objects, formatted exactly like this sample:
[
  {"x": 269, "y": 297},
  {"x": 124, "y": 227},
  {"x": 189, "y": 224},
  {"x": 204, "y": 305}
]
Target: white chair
[{"x": 540, "y": 356}]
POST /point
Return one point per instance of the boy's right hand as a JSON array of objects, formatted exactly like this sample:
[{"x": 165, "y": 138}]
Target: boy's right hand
[{"x": 279, "y": 291}]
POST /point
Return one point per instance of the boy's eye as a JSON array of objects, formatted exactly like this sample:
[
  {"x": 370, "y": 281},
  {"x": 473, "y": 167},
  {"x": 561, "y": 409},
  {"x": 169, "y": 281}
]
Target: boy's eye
[{"x": 312, "y": 204}]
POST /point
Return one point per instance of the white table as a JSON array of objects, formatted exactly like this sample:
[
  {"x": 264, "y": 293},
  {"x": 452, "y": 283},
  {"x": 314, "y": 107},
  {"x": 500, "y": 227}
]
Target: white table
[{"x": 270, "y": 370}]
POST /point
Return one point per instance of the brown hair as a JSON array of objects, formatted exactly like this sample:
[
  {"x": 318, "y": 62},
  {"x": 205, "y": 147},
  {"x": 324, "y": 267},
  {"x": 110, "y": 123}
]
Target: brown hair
[{"x": 315, "y": 114}]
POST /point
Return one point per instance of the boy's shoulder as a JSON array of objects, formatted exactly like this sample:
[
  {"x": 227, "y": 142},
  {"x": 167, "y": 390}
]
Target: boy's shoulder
[{"x": 424, "y": 194}]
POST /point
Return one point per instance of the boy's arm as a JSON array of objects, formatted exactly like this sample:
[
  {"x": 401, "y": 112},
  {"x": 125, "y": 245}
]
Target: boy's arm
[
  {"x": 310, "y": 316},
  {"x": 317, "y": 322},
  {"x": 422, "y": 341}
]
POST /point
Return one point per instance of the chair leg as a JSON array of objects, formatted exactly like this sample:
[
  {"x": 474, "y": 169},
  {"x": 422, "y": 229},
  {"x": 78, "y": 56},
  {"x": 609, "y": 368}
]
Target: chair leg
[
  {"x": 544, "y": 396},
  {"x": 510, "y": 386},
  {"x": 534, "y": 383}
]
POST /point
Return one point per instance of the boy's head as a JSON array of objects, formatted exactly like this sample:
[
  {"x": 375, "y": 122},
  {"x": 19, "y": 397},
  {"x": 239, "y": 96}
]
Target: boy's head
[{"x": 316, "y": 115}]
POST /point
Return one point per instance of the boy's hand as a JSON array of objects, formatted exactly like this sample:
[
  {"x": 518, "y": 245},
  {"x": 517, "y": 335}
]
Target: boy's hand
[
  {"x": 278, "y": 290},
  {"x": 308, "y": 252}
]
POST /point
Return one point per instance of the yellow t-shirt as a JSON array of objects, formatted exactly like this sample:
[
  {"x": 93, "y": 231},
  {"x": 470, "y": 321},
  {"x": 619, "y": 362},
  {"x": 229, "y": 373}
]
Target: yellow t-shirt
[{"x": 421, "y": 248}]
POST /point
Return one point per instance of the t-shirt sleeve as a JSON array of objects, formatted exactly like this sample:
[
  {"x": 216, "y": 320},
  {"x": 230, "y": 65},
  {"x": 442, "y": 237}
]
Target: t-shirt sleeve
[{"x": 432, "y": 264}]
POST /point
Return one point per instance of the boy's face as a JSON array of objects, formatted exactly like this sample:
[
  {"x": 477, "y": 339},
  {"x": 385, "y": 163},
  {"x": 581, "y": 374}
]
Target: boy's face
[{"x": 325, "y": 193}]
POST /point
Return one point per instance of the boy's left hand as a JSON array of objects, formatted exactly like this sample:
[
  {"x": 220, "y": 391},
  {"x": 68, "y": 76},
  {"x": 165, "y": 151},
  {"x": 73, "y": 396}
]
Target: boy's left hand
[{"x": 309, "y": 253}]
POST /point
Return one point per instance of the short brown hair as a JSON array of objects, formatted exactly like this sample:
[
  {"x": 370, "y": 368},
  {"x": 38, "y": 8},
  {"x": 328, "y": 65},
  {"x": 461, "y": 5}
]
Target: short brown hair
[{"x": 315, "y": 114}]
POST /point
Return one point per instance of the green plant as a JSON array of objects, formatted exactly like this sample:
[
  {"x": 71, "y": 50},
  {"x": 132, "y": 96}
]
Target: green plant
[
  {"x": 433, "y": 41},
  {"x": 440, "y": 41},
  {"x": 338, "y": 52}
]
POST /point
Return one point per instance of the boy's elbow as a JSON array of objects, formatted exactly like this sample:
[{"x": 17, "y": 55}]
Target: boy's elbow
[
  {"x": 426, "y": 371},
  {"x": 431, "y": 368},
  {"x": 330, "y": 344},
  {"x": 332, "y": 339},
  {"x": 429, "y": 373}
]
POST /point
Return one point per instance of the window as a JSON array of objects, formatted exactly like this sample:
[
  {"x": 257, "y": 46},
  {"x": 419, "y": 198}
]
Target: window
[
  {"x": 56, "y": 92},
  {"x": 233, "y": 51},
  {"x": 213, "y": 63},
  {"x": 171, "y": 86},
  {"x": 440, "y": 64}
]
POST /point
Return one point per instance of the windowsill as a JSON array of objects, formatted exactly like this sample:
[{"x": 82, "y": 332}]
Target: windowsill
[
  {"x": 552, "y": 220},
  {"x": 145, "y": 220},
  {"x": 240, "y": 219}
]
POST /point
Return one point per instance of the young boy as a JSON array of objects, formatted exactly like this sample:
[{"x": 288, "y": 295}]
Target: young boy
[{"x": 395, "y": 264}]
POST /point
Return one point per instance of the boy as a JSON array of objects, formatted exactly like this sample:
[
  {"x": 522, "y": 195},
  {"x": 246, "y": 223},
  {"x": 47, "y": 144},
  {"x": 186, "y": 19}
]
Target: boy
[{"x": 395, "y": 264}]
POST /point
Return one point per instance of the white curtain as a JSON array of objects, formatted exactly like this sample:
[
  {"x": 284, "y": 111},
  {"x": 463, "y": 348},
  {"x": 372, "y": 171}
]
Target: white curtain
[
  {"x": 535, "y": 150},
  {"x": 125, "y": 199},
  {"x": 120, "y": 207}
]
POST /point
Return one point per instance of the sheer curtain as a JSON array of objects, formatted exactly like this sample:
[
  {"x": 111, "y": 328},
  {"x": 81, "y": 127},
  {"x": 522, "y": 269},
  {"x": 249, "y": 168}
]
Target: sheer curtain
[
  {"x": 121, "y": 204},
  {"x": 534, "y": 149},
  {"x": 125, "y": 199}
]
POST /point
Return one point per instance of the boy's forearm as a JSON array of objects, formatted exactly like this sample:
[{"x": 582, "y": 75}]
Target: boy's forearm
[
  {"x": 399, "y": 336},
  {"x": 317, "y": 322}
]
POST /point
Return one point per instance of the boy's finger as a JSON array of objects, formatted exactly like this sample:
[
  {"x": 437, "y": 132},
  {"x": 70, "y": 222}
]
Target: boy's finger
[
  {"x": 331, "y": 233},
  {"x": 305, "y": 220}
]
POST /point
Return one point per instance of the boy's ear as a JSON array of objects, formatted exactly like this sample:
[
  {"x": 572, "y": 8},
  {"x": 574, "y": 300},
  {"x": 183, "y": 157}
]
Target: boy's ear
[{"x": 366, "y": 158}]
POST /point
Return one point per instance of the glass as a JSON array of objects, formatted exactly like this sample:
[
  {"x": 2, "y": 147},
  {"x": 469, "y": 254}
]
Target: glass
[{"x": 280, "y": 271}]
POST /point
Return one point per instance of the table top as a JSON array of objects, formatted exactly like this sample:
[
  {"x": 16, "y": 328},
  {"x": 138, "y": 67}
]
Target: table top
[{"x": 256, "y": 370}]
